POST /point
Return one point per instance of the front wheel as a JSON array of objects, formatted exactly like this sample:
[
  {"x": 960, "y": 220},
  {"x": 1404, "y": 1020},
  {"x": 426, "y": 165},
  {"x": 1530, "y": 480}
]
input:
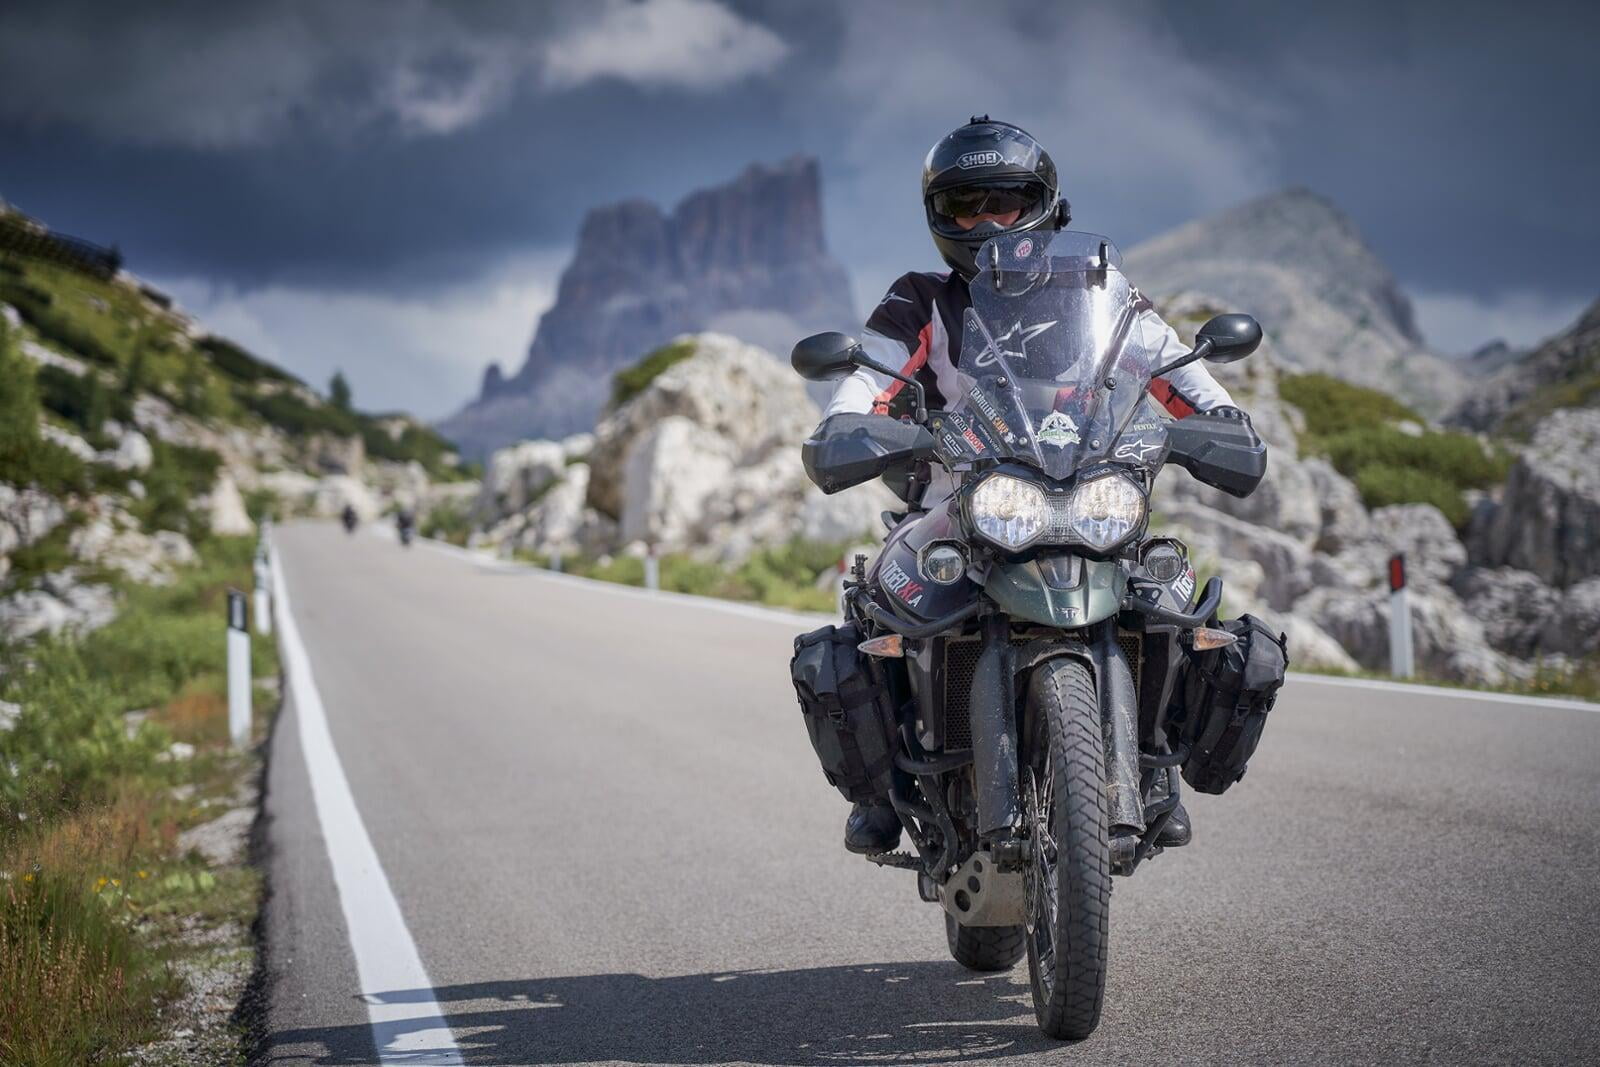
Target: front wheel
[{"x": 1069, "y": 879}]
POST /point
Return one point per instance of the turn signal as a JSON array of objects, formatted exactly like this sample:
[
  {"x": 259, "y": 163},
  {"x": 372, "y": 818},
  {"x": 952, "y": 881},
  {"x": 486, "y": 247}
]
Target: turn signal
[
  {"x": 1204, "y": 637},
  {"x": 890, "y": 646}
]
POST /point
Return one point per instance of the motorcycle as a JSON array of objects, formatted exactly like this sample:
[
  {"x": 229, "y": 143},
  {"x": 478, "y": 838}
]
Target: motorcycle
[
  {"x": 1022, "y": 636},
  {"x": 405, "y": 526},
  {"x": 349, "y": 518}
]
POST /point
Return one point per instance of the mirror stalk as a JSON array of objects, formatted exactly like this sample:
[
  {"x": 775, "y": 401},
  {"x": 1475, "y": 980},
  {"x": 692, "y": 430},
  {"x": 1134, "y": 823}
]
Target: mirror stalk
[
  {"x": 861, "y": 359},
  {"x": 1201, "y": 351}
]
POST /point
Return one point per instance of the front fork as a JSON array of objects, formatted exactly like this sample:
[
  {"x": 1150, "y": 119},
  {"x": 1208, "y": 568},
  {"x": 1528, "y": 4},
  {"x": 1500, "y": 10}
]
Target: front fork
[{"x": 993, "y": 705}]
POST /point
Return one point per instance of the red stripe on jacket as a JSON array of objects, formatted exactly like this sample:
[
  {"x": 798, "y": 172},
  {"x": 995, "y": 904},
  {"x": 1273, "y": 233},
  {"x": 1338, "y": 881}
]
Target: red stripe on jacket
[
  {"x": 1177, "y": 405},
  {"x": 880, "y": 406}
]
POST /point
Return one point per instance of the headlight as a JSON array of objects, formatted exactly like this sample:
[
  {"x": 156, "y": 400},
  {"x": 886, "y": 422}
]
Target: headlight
[
  {"x": 1103, "y": 512},
  {"x": 1009, "y": 511}
]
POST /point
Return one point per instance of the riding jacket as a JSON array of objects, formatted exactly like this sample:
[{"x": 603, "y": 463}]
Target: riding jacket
[{"x": 917, "y": 328}]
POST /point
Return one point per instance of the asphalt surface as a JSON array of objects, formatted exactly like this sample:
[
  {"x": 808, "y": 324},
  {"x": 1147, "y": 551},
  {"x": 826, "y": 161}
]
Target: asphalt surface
[{"x": 607, "y": 833}]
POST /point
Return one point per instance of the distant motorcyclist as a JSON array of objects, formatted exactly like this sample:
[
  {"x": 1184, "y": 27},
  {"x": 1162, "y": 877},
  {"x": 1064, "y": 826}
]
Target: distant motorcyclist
[
  {"x": 983, "y": 179},
  {"x": 349, "y": 517},
  {"x": 405, "y": 524}
]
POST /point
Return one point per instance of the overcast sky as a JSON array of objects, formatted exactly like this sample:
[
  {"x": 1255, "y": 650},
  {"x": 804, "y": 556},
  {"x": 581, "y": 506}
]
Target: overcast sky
[{"x": 392, "y": 186}]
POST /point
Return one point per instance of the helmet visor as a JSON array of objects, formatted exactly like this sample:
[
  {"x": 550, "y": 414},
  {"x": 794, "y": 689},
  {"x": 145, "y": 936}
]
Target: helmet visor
[{"x": 970, "y": 201}]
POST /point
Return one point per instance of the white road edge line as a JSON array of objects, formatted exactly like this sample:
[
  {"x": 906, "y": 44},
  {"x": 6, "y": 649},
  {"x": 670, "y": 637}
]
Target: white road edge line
[
  {"x": 412, "y": 1030},
  {"x": 491, "y": 563},
  {"x": 1448, "y": 691}
]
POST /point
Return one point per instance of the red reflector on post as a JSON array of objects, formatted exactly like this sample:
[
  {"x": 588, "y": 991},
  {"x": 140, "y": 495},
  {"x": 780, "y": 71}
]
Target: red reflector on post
[{"x": 1397, "y": 572}]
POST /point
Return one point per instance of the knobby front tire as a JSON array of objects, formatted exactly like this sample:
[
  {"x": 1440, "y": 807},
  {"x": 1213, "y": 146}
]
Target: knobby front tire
[{"x": 1069, "y": 883}]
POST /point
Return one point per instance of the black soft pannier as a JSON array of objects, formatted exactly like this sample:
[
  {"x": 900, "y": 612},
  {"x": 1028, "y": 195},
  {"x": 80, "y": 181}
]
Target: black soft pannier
[
  {"x": 1226, "y": 695},
  {"x": 848, "y": 712}
]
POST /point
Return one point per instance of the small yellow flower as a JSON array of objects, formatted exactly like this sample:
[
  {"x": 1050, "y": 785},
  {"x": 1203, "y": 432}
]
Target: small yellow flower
[
  {"x": 27, "y": 877},
  {"x": 144, "y": 874},
  {"x": 100, "y": 883},
  {"x": 116, "y": 883}
]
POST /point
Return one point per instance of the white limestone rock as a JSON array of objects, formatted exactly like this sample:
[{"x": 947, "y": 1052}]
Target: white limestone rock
[
  {"x": 670, "y": 470},
  {"x": 225, "y": 510}
]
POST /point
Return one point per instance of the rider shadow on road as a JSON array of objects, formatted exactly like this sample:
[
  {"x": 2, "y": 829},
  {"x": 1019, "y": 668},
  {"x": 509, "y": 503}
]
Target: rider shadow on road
[{"x": 930, "y": 1012}]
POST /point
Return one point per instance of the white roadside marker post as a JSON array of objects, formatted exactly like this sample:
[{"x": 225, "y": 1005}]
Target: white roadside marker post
[
  {"x": 238, "y": 670},
  {"x": 263, "y": 597},
  {"x": 555, "y": 561},
  {"x": 652, "y": 568},
  {"x": 1401, "y": 663}
]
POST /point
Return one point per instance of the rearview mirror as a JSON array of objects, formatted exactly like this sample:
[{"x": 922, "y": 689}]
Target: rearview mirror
[
  {"x": 1232, "y": 337},
  {"x": 823, "y": 357}
]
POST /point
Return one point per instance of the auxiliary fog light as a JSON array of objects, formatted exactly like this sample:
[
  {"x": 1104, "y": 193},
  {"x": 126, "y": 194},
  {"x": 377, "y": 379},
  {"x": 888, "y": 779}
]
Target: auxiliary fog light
[{"x": 945, "y": 564}]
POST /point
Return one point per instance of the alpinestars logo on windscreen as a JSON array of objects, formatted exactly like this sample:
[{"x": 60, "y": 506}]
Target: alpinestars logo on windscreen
[{"x": 1019, "y": 336}]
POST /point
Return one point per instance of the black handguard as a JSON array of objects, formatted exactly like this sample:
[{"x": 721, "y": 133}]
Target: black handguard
[
  {"x": 1220, "y": 448},
  {"x": 848, "y": 449}
]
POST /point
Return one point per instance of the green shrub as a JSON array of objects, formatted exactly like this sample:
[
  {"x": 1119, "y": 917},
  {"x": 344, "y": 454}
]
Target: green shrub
[
  {"x": 176, "y": 476},
  {"x": 59, "y": 327},
  {"x": 239, "y": 364},
  {"x": 26, "y": 457},
  {"x": 631, "y": 381},
  {"x": 1354, "y": 428},
  {"x": 419, "y": 443},
  {"x": 782, "y": 576},
  {"x": 1457, "y": 458},
  {"x": 83, "y": 400},
  {"x": 449, "y": 521},
  {"x": 1381, "y": 485},
  {"x": 1332, "y": 406},
  {"x": 295, "y": 417}
]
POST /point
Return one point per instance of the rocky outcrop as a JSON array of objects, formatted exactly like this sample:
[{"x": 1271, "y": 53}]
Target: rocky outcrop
[
  {"x": 225, "y": 510},
  {"x": 750, "y": 401},
  {"x": 1447, "y": 640},
  {"x": 517, "y": 476},
  {"x": 1547, "y": 520},
  {"x": 26, "y": 515},
  {"x": 746, "y": 258},
  {"x": 705, "y": 460},
  {"x": 1298, "y": 264},
  {"x": 110, "y": 538},
  {"x": 59, "y": 602},
  {"x": 1561, "y": 372}
]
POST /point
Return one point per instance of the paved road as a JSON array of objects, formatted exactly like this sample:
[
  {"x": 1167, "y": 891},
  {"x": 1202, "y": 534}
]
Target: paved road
[{"x": 606, "y": 832}]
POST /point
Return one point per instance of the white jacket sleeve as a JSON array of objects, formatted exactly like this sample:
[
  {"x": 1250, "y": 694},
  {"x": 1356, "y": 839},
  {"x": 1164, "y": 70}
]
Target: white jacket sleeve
[
  {"x": 1193, "y": 384},
  {"x": 857, "y": 393}
]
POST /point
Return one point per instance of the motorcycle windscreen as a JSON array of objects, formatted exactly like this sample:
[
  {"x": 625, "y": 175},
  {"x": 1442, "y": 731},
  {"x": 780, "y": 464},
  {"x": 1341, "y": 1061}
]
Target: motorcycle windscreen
[{"x": 1055, "y": 350}]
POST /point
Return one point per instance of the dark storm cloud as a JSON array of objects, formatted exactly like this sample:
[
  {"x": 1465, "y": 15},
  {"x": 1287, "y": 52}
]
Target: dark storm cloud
[{"x": 402, "y": 148}]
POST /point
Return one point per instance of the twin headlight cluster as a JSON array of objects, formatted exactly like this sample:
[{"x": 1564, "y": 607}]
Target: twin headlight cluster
[{"x": 1015, "y": 513}]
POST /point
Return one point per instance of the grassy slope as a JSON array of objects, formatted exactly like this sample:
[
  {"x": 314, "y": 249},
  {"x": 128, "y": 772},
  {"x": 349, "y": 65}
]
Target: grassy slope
[
  {"x": 134, "y": 345},
  {"x": 1358, "y": 430},
  {"x": 94, "y": 891}
]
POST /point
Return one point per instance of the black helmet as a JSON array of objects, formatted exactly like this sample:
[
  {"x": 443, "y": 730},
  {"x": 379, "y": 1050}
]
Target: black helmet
[{"x": 984, "y": 167}]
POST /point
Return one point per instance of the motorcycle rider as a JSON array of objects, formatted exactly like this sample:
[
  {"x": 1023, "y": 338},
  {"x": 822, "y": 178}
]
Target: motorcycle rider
[{"x": 983, "y": 179}]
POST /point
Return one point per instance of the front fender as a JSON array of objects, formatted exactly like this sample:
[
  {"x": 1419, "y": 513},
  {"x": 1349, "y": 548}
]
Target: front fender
[{"x": 1062, "y": 591}]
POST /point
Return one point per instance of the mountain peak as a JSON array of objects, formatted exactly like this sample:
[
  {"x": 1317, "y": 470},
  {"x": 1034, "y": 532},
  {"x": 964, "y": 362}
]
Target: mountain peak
[
  {"x": 746, "y": 257},
  {"x": 1298, "y": 263}
]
